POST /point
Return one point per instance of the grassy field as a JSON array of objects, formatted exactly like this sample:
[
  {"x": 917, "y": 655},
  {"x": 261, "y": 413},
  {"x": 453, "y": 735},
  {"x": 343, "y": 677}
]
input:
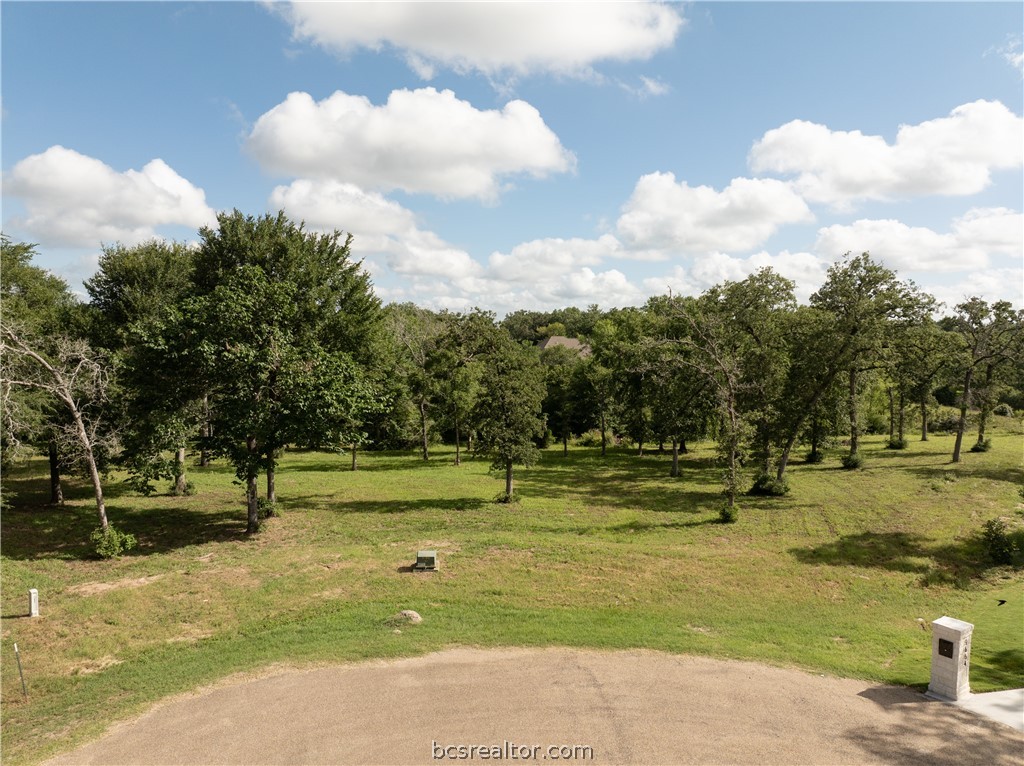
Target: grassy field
[{"x": 608, "y": 553}]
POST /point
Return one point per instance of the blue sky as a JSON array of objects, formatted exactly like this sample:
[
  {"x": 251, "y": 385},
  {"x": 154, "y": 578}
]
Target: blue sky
[{"x": 530, "y": 156}]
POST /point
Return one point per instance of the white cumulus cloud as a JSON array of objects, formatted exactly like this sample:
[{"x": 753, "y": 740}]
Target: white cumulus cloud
[
  {"x": 969, "y": 245},
  {"x": 542, "y": 259},
  {"x": 663, "y": 214},
  {"x": 380, "y": 227},
  {"x": 78, "y": 201},
  {"x": 421, "y": 141},
  {"x": 504, "y": 39},
  {"x": 992, "y": 284},
  {"x": 953, "y": 155}
]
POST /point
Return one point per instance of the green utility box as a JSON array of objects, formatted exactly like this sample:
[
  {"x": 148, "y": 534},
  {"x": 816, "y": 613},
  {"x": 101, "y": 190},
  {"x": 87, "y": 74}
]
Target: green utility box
[{"x": 426, "y": 561}]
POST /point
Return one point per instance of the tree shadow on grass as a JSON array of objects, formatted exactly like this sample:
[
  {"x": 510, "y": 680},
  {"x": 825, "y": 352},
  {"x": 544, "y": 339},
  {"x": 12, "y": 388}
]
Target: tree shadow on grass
[
  {"x": 385, "y": 506},
  {"x": 902, "y": 552},
  {"x": 648, "y": 526},
  {"x": 993, "y": 668},
  {"x": 33, "y": 491},
  {"x": 627, "y": 482},
  {"x": 31, "y": 533},
  {"x": 343, "y": 464}
]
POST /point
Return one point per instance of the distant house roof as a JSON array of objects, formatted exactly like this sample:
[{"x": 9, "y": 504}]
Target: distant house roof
[{"x": 561, "y": 340}]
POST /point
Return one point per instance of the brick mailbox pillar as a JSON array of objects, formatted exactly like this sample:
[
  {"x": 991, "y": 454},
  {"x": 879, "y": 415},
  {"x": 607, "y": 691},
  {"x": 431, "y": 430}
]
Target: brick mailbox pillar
[{"x": 951, "y": 659}]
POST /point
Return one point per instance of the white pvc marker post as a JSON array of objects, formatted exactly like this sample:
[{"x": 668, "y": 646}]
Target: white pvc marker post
[
  {"x": 951, "y": 659},
  {"x": 33, "y": 602}
]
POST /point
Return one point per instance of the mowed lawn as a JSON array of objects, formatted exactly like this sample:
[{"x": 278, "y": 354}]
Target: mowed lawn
[{"x": 841, "y": 577}]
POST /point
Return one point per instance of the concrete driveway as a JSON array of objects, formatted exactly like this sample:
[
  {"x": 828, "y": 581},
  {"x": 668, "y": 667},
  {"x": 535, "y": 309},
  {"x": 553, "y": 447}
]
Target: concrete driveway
[{"x": 524, "y": 705}]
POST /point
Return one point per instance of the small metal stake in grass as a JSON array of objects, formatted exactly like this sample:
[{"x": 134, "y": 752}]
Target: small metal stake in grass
[{"x": 17, "y": 656}]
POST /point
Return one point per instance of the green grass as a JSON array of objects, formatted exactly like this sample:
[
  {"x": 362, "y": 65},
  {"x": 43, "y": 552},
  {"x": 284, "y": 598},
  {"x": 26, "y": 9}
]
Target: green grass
[{"x": 608, "y": 553}]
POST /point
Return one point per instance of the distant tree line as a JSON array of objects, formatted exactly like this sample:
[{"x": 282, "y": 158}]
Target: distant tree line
[{"x": 266, "y": 335}]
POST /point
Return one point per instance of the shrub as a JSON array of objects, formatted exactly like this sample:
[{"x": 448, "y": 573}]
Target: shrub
[
  {"x": 266, "y": 509},
  {"x": 944, "y": 419},
  {"x": 766, "y": 484},
  {"x": 728, "y": 514},
  {"x": 983, "y": 446},
  {"x": 876, "y": 423},
  {"x": 814, "y": 456},
  {"x": 190, "y": 489},
  {"x": 111, "y": 544},
  {"x": 1003, "y": 409},
  {"x": 591, "y": 438},
  {"x": 140, "y": 484},
  {"x": 853, "y": 462},
  {"x": 1000, "y": 542},
  {"x": 504, "y": 497},
  {"x": 896, "y": 443}
]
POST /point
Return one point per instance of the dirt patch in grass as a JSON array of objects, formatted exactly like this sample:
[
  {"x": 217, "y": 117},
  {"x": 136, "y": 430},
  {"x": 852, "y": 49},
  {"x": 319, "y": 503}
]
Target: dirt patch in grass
[
  {"x": 191, "y": 635},
  {"x": 94, "y": 588},
  {"x": 95, "y": 666}
]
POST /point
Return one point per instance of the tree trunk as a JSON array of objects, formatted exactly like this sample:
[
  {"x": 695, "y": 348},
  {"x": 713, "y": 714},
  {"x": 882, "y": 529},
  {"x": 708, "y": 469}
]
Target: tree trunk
[
  {"x": 97, "y": 487},
  {"x": 179, "y": 471},
  {"x": 732, "y": 481},
  {"x": 458, "y": 447},
  {"x": 815, "y": 438},
  {"x": 252, "y": 506},
  {"x": 204, "y": 431},
  {"x": 271, "y": 477},
  {"x": 924, "y": 417},
  {"x": 675, "y": 457},
  {"x": 784, "y": 457},
  {"x": 892, "y": 415},
  {"x": 683, "y": 449},
  {"x": 962, "y": 425},
  {"x": 854, "y": 430},
  {"x": 423, "y": 427},
  {"x": 604, "y": 435},
  {"x": 986, "y": 404},
  {"x": 661, "y": 446},
  {"x": 355, "y": 465},
  {"x": 508, "y": 479},
  {"x": 794, "y": 432},
  {"x": 565, "y": 444},
  {"x": 94, "y": 474},
  {"x": 56, "y": 493},
  {"x": 900, "y": 418},
  {"x": 640, "y": 447}
]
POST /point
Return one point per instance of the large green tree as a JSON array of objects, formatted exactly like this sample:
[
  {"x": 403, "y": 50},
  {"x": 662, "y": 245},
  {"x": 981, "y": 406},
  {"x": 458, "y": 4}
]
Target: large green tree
[
  {"x": 276, "y": 333},
  {"x": 455, "y": 366},
  {"x": 739, "y": 343},
  {"x": 418, "y": 333},
  {"x": 990, "y": 336},
  {"x": 508, "y": 410},
  {"x": 136, "y": 298},
  {"x": 39, "y": 304},
  {"x": 849, "y": 321},
  {"x": 48, "y": 369}
]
